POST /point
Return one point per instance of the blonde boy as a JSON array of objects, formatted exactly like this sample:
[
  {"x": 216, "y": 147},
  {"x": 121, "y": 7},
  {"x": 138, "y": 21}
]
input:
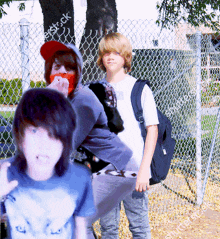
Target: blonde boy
[{"x": 115, "y": 55}]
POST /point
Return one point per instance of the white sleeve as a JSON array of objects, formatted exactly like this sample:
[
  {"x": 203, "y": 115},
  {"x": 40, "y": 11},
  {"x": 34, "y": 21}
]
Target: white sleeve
[{"x": 149, "y": 107}]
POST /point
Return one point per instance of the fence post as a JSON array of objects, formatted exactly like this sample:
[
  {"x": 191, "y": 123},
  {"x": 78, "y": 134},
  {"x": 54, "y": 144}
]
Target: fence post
[
  {"x": 198, "y": 119},
  {"x": 24, "y": 37},
  {"x": 211, "y": 152}
]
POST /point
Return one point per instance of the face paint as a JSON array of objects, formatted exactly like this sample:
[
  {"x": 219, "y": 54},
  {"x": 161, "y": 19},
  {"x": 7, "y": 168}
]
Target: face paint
[{"x": 70, "y": 77}]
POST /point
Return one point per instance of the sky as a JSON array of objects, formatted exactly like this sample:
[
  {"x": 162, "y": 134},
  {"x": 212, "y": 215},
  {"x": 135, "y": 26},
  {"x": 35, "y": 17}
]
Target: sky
[{"x": 134, "y": 9}]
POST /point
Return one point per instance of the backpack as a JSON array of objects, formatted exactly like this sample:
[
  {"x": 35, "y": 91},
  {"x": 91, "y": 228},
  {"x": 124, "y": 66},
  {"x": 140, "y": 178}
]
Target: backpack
[
  {"x": 165, "y": 143},
  {"x": 106, "y": 95}
]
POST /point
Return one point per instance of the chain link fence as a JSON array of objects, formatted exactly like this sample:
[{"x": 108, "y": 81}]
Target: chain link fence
[{"x": 183, "y": 69}]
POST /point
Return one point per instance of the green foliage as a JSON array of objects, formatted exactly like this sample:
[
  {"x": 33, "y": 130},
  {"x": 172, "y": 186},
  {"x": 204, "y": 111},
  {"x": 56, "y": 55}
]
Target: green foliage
[
  {"x": 195, "y": 13},
  {"x": 38, "y": 84},
  {"x": 11, "y": 90},
  {"x": 6, "y": 137},
  {"x": 21, "y": 6}
]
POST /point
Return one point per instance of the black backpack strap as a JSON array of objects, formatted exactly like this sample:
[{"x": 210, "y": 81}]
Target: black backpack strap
[{"x": 136, "y": 104}]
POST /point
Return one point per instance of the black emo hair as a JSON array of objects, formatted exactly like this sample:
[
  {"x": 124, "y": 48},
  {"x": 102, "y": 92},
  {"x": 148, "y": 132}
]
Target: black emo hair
[{"x": 50, "y": 110}]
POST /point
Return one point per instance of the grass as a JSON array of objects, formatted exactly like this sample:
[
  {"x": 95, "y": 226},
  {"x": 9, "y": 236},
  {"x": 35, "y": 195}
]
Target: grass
[
  {"x": 208, "y": 125},
  {"x": 208, "y": 122},
  {"x": 8, "y": 115}
]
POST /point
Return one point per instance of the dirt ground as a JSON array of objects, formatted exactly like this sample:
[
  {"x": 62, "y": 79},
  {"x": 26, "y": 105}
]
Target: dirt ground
[
  {"x": 174, "y": 218},
  {"x": 203, "y": 225},
  {"x": 198, "y": 225}
]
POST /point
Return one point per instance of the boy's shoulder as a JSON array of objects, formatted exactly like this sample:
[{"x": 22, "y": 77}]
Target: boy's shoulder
[
  {"x": 79, "y": 170},
  {"x": 146, "y": 86},
  {"x": 132, "y": 80},
  {"x": 128, "y": 78},
  {"x": 127, "y": 82},
  {"x": 84, "y": 91},
  {"x": 85, "y": 96}
]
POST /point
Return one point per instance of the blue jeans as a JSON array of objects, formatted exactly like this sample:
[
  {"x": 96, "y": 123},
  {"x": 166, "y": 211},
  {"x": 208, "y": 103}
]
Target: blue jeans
[
  {"x": 108, "y": 192},
  {"x": 136, "y": 209}
]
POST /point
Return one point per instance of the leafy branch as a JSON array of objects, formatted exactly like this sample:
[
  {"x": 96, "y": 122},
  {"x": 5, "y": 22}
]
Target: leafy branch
[{"x": 195, "y": 13}]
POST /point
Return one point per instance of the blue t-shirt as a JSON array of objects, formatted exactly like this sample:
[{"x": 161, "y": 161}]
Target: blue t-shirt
[{"x": 46, "y": 209}]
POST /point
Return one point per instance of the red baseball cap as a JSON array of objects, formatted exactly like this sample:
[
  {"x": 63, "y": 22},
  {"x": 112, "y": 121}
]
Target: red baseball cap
[{"x": 49, "y": 48}]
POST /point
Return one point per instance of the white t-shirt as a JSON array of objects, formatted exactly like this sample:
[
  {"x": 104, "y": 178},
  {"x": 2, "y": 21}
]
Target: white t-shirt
[{"x": 131, "y": 135}]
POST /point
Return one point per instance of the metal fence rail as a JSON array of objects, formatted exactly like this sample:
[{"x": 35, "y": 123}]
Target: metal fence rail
[{"x": 183, "y": 69}]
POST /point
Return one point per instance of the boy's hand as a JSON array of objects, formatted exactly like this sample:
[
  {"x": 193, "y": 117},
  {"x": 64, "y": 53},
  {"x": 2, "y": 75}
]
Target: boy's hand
[
  {"x": 142, "y": 182},
  {"x": 5, "y": 186},
  {"x": 4, "y": 218},
  {"x": 60, "y": 84}
]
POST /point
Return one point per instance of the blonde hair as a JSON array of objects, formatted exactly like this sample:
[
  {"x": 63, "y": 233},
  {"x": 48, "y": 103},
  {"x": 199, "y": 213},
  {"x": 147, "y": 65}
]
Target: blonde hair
[{"x": 115, "y": 42}]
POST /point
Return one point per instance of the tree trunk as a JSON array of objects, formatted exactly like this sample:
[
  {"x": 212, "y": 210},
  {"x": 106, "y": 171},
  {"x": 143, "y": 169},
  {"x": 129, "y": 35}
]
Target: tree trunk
[
  {"x": 58, "y": 20},
  {"x": 101, "y": 18}
]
